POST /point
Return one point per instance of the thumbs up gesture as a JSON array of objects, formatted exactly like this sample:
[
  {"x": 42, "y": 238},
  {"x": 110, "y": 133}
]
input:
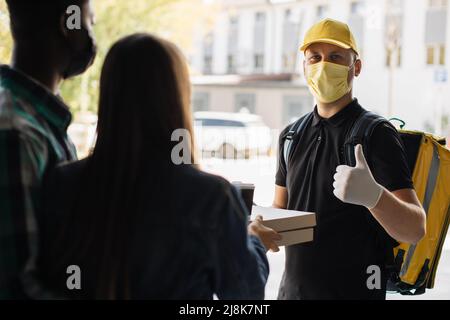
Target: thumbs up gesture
[{"x": 356, "y": 185}]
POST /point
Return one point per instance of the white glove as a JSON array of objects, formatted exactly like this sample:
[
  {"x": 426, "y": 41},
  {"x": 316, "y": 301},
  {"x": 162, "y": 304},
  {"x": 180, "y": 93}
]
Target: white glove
[{"x": 356, "y": 185}]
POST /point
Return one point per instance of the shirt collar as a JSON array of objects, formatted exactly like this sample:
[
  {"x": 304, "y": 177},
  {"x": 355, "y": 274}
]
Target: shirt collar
[
  {"x": 48, "y": 105},
  {"x": 339, "y": 118}
]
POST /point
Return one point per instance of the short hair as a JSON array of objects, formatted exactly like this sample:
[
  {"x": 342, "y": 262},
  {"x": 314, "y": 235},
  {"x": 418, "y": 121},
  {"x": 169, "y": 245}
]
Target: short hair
[{"x": 32, "y": 17}]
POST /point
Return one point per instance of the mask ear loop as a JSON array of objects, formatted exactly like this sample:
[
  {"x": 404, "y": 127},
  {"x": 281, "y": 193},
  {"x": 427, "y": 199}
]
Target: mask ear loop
[
  {"x": 350, "y": 68},
  {"x": 352, "y": 65}
]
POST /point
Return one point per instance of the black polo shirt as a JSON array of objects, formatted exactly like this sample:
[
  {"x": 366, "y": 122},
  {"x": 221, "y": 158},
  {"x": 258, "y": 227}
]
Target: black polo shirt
[{"x": 347, "y": 239}]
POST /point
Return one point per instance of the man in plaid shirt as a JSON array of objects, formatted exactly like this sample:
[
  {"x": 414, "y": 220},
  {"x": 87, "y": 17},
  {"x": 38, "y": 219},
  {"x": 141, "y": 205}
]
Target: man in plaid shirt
[{"x": 33, "y": 124}]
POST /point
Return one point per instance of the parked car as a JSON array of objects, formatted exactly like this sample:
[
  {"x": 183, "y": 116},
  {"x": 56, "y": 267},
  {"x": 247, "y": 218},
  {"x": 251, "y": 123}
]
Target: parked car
[
  {"x": 82, "y": 132},
  {"x": 231, "y": 135}
]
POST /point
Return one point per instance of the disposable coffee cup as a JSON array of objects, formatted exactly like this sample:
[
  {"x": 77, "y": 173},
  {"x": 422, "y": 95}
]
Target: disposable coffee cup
[{"x": 247, "y": 191}]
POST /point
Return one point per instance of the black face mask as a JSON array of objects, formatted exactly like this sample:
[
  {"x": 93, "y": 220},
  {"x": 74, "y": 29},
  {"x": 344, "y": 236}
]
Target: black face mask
[{"x": 81, "y": 60}]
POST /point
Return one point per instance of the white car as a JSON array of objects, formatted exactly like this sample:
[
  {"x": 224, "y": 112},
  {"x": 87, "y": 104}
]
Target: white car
[
  {"x": 82, "y": 132},
  {"x": 231, "y": 135}
]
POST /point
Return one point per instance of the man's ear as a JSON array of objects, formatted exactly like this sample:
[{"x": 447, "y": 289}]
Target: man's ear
[{"x": 358, "y": 67}]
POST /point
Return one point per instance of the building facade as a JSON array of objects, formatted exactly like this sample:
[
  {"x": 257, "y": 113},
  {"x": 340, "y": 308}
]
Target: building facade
[{"x": 249, "y": 59}]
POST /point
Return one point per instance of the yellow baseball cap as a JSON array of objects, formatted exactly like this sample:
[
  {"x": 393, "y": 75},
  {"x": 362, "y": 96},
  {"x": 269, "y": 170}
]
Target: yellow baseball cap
[{"x": 332, "y": 32}]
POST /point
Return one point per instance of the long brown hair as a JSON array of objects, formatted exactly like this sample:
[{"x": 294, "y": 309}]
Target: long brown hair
[{"x": 144, "y": 97}]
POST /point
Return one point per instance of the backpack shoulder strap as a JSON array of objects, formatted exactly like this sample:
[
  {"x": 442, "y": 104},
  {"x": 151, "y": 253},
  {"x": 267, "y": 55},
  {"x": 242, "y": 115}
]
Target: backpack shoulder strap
[
  {"x": 296, "y": 129},
  {"x": 360, "y": 133}
]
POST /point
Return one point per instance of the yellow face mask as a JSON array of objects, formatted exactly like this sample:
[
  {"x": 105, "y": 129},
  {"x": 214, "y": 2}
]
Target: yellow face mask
[{"x": 328, "y": 81}]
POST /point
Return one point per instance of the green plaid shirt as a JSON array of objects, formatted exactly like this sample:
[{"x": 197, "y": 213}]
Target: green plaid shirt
[{"x": 33, "y": 139}]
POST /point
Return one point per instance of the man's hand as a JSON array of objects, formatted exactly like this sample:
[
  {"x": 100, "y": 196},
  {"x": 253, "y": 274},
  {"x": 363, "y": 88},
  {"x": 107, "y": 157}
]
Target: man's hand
[
  {"x": 356, "y": 185},
  {"x": 267, "y": 236}
]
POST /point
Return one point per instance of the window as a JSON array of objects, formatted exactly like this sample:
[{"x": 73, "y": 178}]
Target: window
[
  {"x": 394, "y": 57},
  {"x": 233, "y": 37},
  {"x": 388, "y": 57},
  {"x": 393, "y": 35},
  {"x": 244, "y": 102},
  {"x": 321, "y": 11},
  {"x": 259, "y": 62},
  {"x": 221, "y": 123},
  {"x": 231, "y": 64},
  {"x": 442, "y": 55},
  {"x": 357, "y": 23},
  {"x": 291, "y": 40},
  {"x": 200, "y": 101},
  {"x": 430, "y": 55},
  {"x": 207, "y": 53},
  {"x": 356, "y": 7},
  {"x": 232, "y": 123},
  {"x": 294, "y": 107},
  {"x": 287, "y": 14},
  {"x": 234, "y": 21},
  {"x": 207, "y": 64},
  {"x": 259, "y": 36},
  {"x": 260, "y": 17},
  {"x": 435, "y": 32},
  {"x": 436, "y": 54}
]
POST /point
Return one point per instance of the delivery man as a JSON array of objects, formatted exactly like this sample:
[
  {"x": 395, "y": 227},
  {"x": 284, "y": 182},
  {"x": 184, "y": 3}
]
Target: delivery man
[{"x": 351, "y": 203}]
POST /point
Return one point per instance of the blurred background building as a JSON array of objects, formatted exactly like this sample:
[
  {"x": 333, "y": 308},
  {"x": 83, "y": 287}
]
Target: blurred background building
[{"x": 248, "y": 58}]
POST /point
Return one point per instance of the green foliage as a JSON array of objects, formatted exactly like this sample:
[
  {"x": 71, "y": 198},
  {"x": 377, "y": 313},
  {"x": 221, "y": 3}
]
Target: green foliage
[
  {"x": 5, "y": 37},
  {"x": 172, "y": 19},
  {"x": 117, "y": 18}
]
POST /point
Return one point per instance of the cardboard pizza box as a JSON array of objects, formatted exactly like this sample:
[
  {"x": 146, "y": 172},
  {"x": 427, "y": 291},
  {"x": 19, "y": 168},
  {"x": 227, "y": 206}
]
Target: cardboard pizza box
[
  {"x": 284, "y": 220},
  {"x": 294, "y": 226}
]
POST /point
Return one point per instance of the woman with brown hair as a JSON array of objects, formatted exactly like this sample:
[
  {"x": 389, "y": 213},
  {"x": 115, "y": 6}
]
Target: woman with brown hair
[{"x": 137, "y": 225}]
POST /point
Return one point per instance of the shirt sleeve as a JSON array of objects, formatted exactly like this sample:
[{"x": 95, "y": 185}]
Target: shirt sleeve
[
  {"x": 21, "y": 169},
  {"x": 388, "y": 159},
  {"x": 280, "y": 177},
  {"x": 242, "y": 263}
]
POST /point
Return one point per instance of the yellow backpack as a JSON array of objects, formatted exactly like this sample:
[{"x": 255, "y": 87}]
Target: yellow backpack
[{"x": 416, "y": 265}]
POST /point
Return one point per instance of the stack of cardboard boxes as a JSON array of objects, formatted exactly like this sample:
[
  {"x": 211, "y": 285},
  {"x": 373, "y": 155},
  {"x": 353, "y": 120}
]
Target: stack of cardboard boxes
[{"x": 294, "y": 226}]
